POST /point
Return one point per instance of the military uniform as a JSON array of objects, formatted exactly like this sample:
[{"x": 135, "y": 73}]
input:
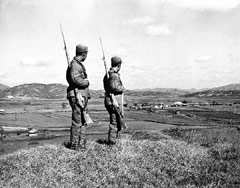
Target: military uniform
[
  {"x": 77, "y": 78},
  {"x": 113, "y": 85}
]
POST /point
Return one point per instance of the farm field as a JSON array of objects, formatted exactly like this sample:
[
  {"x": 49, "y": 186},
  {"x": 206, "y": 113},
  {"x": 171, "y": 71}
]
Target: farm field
[{"x": 50, "y": 114}]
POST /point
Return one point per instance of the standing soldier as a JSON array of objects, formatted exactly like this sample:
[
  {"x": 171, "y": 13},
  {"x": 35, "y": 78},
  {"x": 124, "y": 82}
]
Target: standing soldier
[
  {"x": 113, "y": 85},
  {"x": 78, "y": 86}
]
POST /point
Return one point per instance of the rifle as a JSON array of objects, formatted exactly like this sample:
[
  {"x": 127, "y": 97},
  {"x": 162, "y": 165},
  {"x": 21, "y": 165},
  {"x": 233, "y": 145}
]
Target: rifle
[
  {"x": 78, "y": 95},
  {"x": 122, "y": 125}
]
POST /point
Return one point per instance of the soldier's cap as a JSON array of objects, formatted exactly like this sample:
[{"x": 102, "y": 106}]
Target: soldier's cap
[
  {"x": 115, "y": 60},
  {"x": 81, "y": 48}
]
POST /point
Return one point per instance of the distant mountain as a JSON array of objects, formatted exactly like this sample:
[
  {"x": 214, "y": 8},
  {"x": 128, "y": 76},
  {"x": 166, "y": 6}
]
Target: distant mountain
[
  {"x": 3, "y": 86},
  {"x": 58, "y": 91},
  {"x": 36, "y": 90},
  {"x": 232, "y": 90},
  {"x": 158, "y": 91},
  {"x": 230, "y": 87},
  {"x": 41, "y": 91}
]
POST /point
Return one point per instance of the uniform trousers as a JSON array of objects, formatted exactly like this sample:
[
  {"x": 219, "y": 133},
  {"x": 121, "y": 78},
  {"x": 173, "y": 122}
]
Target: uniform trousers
[{"x": 78, "y": 127}]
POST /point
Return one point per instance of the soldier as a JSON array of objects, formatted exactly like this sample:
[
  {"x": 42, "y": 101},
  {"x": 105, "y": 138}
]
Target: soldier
[
  {"x": 113, "y": 85},
  {"x": 78, "y": 84}
]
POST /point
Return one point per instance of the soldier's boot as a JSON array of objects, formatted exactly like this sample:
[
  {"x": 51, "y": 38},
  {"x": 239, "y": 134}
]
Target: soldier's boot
[
  {"x": 74, "y": 145},
  {"x": 74, "y": 136},
  {"x": 112, "y": 134},
  {"x": 118, "y": 135},
  {"x": 67, "y": 144},
  {"x": 82, "y": 139}
]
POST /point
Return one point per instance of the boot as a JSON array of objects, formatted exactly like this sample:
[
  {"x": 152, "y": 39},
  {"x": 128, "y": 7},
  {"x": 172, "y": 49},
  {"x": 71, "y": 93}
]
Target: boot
[
  {"x": 74, "y": 136},
  {"x": 112, "y": 134},
  {"x": 118, "y": 135},
  {"x": 82, "y": 138},
  {"x": 67, "y": 144},
  {"x": 74, "y": 145},
  {"x": 82, "y": 145}
]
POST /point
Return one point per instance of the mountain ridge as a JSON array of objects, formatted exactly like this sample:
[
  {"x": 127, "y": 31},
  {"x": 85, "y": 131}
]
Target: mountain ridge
[
  {"x": 230, "y": 90},
  {"x": 58, "y": 91},
  {"x": 2, "y": 86}
]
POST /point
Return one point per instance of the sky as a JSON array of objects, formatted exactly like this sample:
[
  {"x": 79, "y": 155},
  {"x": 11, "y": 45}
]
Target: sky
[{"x": 163, "y": 43}]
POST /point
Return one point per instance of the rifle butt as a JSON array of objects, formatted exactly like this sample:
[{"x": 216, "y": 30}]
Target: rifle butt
[
  {"x": 87, "y": 118},
  {"x": 121, "y": 123}
]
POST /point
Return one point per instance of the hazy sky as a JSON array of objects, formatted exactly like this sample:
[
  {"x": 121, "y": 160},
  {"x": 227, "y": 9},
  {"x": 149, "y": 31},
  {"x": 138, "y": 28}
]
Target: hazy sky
[{"x": 163, "y": 43}]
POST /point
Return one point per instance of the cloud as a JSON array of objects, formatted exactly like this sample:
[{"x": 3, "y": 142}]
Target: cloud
[
  {"x": 37, "y": 64},
  {"x": 140, "y": 20},
  {"x": 201, "y": 5},
  {"x": 121, "y": 51},
  {"x": 133, "y": 70},
  {"x": 158, "y": 30},
  {"x": 2, "y": 74},
  {"x": 214, "y": 5},
  {"x": 31, "y": 62},
  {"x": 204, "y": 59},
  {"x": 53, "y": 73},
  {"x": 234, "y": 58}
]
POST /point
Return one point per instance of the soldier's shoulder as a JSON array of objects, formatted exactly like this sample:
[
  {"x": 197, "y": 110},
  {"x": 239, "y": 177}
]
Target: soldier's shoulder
[
  {"x": 74, "y": 61},
  {"x": 76, "y": 64},
  {"x": 114, "y": 75}
]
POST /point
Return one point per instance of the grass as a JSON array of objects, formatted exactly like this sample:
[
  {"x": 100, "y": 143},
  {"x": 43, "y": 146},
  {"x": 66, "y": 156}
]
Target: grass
[
  {"x": 223, "y": 147},
  {"x": 207, "y": 137},
  {"x": 130, "y": 163}
]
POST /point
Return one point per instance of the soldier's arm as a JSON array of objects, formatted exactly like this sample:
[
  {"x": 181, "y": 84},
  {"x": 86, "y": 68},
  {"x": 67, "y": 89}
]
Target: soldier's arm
[
  {"x": 116, "y": 84},
  {"x": 77, "y": 75}
]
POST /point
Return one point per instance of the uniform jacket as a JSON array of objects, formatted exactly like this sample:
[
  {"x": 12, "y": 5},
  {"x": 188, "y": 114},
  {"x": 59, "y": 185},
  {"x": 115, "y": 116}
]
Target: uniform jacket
[
  {"x": 76, "y": 78},
  {"x": 113, "y": 85}
]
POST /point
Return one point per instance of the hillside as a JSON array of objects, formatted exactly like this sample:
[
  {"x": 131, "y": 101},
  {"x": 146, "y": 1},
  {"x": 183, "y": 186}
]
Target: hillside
[
  {"x": 230, "y": 87},
  {"x": 47, "y": 91},
  {"x": 135, "y": 161},
  {"x": 128, "y": 164},
  {"x": 58, "y": 91},
  {"x": 164, "y": 92},
  {"x": 232, "y": 90},
  {"x": 42, "y": 91},
  {"x": 2, "y": 86}
]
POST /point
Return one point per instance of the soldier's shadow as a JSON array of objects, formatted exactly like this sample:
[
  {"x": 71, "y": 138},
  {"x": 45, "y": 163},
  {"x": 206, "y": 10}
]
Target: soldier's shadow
[{"x": 105, "y": 142}]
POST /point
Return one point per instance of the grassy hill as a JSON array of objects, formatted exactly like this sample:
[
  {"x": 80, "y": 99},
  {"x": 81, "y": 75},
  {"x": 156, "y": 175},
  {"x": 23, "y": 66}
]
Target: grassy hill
[{"x": 131, "y": 163}]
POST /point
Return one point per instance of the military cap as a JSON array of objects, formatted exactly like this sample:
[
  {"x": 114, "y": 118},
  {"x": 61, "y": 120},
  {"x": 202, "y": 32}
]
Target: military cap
[
  {"x": 81, "y": 48},
  {"x": 115, "y": 60}
]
